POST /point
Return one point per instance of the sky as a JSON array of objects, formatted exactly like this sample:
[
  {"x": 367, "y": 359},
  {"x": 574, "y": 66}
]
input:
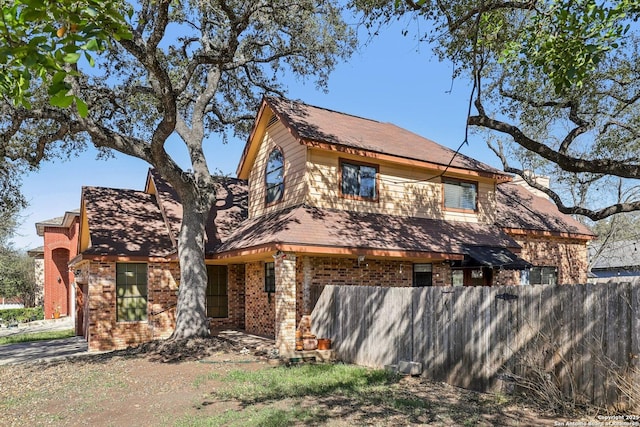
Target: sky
[{"x": 392, "y": 79}]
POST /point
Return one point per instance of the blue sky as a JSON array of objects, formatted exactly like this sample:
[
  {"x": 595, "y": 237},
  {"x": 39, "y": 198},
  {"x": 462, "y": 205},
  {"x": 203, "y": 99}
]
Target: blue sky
[{"x": 392, "y": 79}]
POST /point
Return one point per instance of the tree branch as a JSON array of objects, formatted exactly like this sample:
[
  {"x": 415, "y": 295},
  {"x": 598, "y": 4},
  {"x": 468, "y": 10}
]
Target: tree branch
[{"x": 621, "y": 168}]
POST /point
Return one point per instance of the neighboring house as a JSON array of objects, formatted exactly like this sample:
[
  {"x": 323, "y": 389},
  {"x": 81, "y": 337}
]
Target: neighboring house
[
  {"x": 37, "y": 254},
  {"x": 12, "y": 302},
  {"x": 60, "y": 245},
  {"x": 617, "y": 261},
  {"x": 322, "y": 198}
]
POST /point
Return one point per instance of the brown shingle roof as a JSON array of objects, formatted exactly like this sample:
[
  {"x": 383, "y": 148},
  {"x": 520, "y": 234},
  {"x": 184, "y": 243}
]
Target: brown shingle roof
[
  {"x": 126, "y": 223},
  {"x": 309, "y": 226},
  {"x": 230, "y": 208},
  {"x": 518, "y": 208},
  {"x": 322, "y": 125}
]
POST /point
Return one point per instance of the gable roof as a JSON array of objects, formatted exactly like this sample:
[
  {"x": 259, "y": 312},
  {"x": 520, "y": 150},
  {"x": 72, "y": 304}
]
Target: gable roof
[
  {"x": 520, "y": 209},
  {"x": 124, "y": 223},
  {"x": 64, "y": 221},
  {"x": 328, "y": 129},
  {"x": 229, "y": 211},
  {"x": 310, "y": 229},
  {"x": 146, "y": 223}
]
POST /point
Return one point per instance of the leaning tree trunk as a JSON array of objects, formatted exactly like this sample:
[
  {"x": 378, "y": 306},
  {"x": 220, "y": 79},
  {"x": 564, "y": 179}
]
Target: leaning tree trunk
[{"x": 191, "y": 319}]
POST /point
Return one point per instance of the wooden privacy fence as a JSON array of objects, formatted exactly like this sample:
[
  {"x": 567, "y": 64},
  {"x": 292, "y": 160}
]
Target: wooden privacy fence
[{"x": 581, "y": 339}]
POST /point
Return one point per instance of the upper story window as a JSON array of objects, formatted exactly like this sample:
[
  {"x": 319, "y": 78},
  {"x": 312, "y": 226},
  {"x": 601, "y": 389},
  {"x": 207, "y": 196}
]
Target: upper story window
[
  {"x": 359, "y": 180},
  {"x": 462, "y": 195},
  {"x": 274, "y": 176}
]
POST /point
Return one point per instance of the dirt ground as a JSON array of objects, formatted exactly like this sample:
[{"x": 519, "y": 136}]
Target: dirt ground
[{"x": 161, "y": 383}]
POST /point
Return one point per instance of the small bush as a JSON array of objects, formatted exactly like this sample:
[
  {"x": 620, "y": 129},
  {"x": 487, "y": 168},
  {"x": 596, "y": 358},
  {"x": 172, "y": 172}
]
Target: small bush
[{"x": 21, "y": 315}]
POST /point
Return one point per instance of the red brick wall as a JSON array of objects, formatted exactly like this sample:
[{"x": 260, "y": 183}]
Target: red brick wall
[
  {"x": 260, "y": 311},
  {"x": 260, "y": 308},
  {"x": 568, "y": 255},
  {"x": 107, "y": 334},
  {"x": 60, "y": 245}
]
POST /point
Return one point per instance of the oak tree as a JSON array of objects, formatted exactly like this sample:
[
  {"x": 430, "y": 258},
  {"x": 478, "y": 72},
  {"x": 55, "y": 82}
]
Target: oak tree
[
  {"x": 556, "y": 82},
  {"x": 127, "y": 77}
]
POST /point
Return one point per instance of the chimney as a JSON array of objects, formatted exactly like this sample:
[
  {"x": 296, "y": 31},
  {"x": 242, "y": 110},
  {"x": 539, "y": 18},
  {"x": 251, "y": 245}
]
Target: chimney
[{"x": 539, "y": 179}]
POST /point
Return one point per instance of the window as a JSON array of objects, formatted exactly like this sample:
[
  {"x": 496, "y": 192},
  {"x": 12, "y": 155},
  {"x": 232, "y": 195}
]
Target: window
[
  {"x": 359, "y": 180},
  {"x": 274, "y": 176},
  {"x": 269, "y": 277},
  {"x": 217, "y": 298},
  {"x": 543, "y": 276},
  {"x": 460, "y": 195},
  {"x": 422, "y": 275},
  {"x": 457, "y": 278},
  {"x": 131, "y": 292}
]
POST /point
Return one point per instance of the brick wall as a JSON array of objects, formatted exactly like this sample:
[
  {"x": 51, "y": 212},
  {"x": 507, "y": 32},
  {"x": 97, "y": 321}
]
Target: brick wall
[
  {"x": 105, "y": 333},
  {"x": 370, "y": 272},
  {"x": 568, "y": 255},
  {"x": 312, "y": 273},
  {"x": 316, "y": 272},
  {"x": 60, "y": 245},
  {"x": 259, "y": 306},
  {"x": 286, "y": 290}
]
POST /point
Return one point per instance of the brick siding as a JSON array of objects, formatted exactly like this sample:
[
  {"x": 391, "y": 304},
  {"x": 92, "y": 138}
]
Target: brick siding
[
  {"x": 260, "y": 306},
  {"x": 568, "y": 255},
  {"x": 60, "y": 245},
  {"x": 105, "y": 333}
]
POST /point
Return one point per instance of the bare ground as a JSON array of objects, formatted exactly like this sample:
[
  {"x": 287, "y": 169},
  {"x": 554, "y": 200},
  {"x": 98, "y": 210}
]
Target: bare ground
[{"x": 165, "y": 383}]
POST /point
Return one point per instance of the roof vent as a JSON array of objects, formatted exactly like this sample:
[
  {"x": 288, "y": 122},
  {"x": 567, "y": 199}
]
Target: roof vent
[{"x": 272, "y": 120}]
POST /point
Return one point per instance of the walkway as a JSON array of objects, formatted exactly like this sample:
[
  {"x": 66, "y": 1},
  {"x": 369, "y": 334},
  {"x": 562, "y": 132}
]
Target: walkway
[
  {"x": 32, "y": 351},
  {"x": 42, "y": 350}
]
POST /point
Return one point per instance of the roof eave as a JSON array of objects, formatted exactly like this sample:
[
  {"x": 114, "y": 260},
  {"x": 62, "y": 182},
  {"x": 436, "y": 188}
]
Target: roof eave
[
  {"x": 261, "y": 251},
  {"x": 549, "y": 233},
  {"x": 329, "y": 146}
]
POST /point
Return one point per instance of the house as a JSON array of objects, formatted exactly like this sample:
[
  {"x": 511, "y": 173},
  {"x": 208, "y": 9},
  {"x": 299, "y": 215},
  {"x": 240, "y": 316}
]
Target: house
[
  {"x": 37, "y": 254},
  {"x": 321, "y": 198},
  {"x": 617, "y": 261},
  {"x": 60, "y": 245}
]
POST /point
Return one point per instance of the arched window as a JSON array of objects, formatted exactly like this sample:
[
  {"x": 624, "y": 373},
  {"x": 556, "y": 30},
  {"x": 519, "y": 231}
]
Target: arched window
[{"x": 274, "y": 176}]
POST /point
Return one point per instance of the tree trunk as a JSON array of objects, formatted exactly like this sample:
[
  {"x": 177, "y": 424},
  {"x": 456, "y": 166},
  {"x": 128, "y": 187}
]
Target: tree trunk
[{"x": 191, "y": 319}]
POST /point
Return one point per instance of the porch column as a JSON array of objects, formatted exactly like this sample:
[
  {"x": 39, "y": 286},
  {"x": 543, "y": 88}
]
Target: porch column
[{"x": 285, "y": 269}]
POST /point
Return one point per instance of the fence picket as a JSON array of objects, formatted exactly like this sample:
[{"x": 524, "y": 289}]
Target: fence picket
[{"x": 471, "y": 336}]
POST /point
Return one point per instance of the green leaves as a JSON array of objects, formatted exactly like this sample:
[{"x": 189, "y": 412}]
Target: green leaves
[
  {"x": 568, "y": 40},
  {"x": 41, "y": 41}
]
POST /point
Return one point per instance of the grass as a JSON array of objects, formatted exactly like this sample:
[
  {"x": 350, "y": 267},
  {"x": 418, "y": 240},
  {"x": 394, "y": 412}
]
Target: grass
[
  {"x": 261, "y": 394},
  {"x": 258, "y": 417},
  {"x": 304, "y": 380},
  {"x": 37, "y": 336}
]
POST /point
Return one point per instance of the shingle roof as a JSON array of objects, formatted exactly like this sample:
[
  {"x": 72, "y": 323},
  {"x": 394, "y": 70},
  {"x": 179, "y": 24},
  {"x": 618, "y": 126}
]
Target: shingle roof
[
  {"x": 322, "y": 125},
  {"x": 230, "y": 208},
  {"x": 58, "y": 221},
  {"x": 623, "y": 254},
  {"x": 518, "y": 208},
  {"x": 136, "y": 223},
  {"x": 125, "y": 222},
  {"x": 310, "y": 226}
]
